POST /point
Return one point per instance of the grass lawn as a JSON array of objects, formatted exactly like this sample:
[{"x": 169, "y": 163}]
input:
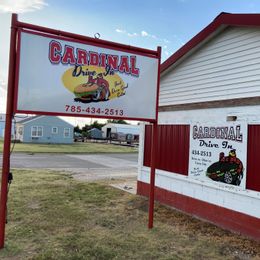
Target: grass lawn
[
  {"x": 70, "y": 148},
  {"x": 52, "y": 216}
]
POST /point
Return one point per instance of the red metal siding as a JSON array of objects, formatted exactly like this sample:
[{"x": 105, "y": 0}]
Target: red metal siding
[
  {"x": 173, "y": 148},
  {"x": 253, "y": 157}
]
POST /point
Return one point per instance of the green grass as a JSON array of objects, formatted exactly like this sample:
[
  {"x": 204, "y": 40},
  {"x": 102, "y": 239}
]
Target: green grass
[
  {"x": 52, "y": 216},
  {"x": 70, "y": 148}
]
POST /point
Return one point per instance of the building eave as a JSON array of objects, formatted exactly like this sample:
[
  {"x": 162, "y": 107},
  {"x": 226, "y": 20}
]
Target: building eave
[{"x": 222, "y": 21}]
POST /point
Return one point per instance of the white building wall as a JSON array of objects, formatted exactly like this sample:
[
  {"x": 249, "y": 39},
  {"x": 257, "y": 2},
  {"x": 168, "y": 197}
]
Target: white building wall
[
  {"x": 226, "y": 67},
  {"x": 105, "y": 127},
  {"x": 217, "y": 193},
  {"x": 120, "y": 128}
]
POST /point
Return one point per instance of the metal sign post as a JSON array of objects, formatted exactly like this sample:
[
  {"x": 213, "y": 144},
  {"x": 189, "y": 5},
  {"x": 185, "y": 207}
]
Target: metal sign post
[
  {"x": 152, "y": 175},
  {"x": 154, "y": 151},
  {"x": 8, "y": 130}
]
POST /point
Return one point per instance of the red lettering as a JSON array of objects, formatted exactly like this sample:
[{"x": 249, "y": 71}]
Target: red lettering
[
  {"x": 68, "y": 56},
  {"x": 54, "y": 52},
  {"x": 134, "y": 70},
  {"x": 82, "y": 57},
  {"x": 102, "y": 60},
  {"x": 112, "y": 62},
  {"x": 93, "y": 58},
  {"x": 124, "y": 65}
]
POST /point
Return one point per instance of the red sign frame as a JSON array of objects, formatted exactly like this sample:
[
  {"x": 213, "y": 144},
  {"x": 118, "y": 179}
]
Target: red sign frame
[{"x": 66, "y": 36}]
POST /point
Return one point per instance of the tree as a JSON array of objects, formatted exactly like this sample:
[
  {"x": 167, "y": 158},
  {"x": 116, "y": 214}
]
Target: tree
[
  {"x": 97, "y": 125},
  {"x": 77, "y": 129},
  {"x": 85, "y": 128},
  {"x": 119, "y": 121}
]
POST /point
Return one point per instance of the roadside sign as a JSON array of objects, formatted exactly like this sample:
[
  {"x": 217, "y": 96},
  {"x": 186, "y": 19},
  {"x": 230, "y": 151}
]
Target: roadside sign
[
  {"x": 80, "y": 78},
  {"x": 53, "y": 72}
]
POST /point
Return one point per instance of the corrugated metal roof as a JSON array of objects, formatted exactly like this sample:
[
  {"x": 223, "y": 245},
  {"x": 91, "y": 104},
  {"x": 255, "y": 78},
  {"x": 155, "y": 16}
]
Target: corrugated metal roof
[
  {"x": 94, "y": 129},
  {"x": 28, "y": 119},
  {"x": 126, "y": 130},
  {"x": 122, "y": 125}
]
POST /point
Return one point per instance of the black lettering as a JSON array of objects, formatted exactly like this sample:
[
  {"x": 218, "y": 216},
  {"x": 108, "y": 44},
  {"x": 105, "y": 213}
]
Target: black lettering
[{"x": 77, "y": 71}]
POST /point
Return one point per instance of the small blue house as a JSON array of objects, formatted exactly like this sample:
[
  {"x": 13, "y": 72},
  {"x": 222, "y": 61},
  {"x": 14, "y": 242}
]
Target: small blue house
[
  {"x": 95, "y": 133},
  {"x": 2, "y": 126},
  {"x": 44, "y": 129}
]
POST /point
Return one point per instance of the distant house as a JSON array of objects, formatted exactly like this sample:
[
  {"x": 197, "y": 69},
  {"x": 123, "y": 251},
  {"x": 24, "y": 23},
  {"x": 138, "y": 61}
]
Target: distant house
[
  {"x": 120, "y": 130},
  {"x": 95, "y": 133},
  {"x": 44, "y": 129},
  {"x": 2, "y": 126}
]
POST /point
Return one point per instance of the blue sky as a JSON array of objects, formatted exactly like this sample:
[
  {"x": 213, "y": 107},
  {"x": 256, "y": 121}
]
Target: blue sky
[{"x": 142, "y": 23}]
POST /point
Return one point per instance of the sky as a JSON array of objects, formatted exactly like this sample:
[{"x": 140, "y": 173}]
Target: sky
[{"x": 142, "y": 23}]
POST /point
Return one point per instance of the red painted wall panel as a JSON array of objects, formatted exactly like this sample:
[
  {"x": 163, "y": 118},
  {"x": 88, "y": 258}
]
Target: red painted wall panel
[
  {"x": 223, "y": 217},
  {"x": 253, "y": 158},
  {"x": 173, "y": 148}
]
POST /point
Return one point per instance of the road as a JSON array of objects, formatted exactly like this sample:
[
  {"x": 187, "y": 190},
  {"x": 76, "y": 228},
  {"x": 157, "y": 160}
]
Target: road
[{"x": 81, "y": 166}]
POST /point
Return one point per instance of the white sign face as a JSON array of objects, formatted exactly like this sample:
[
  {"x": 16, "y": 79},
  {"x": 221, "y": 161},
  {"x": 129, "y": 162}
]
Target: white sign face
[
  {"x": 67, "y": 77},
  {"x": 218, "y": 153}
]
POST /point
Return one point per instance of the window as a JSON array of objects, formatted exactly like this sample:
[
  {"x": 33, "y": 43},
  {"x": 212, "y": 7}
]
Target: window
[
  {"x": 66, "y": 132},
  {"x": 54, "y": 130},
  {"x": 36, "y": 131},
  {"x": 20, "y": 130}
]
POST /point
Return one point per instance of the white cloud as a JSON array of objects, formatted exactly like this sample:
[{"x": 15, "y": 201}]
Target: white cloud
[
  {"x": 132, "y": 34},
  {"x": 127, "y": 33},
  {"x": 120, "y": 31},
  {"x": 144, "y": 33},
  {"x": 21, "y": 6},
  {"x": 156, "y": 40}
]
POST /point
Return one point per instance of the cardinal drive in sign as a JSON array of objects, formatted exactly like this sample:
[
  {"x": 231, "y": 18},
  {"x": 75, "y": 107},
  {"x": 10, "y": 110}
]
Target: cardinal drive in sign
[
  {"x": 67, "y": 77},
  {"x": 218, "y": 153},
  {"x": 52, "y": 72}
]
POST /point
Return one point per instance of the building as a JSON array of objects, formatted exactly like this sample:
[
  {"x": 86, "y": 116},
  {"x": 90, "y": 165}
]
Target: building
[
  {"x": 2, "y": 126},
  {"x": 95, "y": 133},
  {"x": 209, "y": 127},
  {"x": 121, "y": 129},
  {"x": 44, "y": 129}
]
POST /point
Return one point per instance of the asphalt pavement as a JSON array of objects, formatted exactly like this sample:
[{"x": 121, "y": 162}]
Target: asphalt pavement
[{"x": 86, "y": 167}]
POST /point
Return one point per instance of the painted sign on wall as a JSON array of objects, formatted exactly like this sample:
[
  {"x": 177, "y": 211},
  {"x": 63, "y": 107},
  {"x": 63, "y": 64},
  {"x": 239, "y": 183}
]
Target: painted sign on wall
[
  {"x": 81, "y": 79},
  {"x": 218, "y": 153}
]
